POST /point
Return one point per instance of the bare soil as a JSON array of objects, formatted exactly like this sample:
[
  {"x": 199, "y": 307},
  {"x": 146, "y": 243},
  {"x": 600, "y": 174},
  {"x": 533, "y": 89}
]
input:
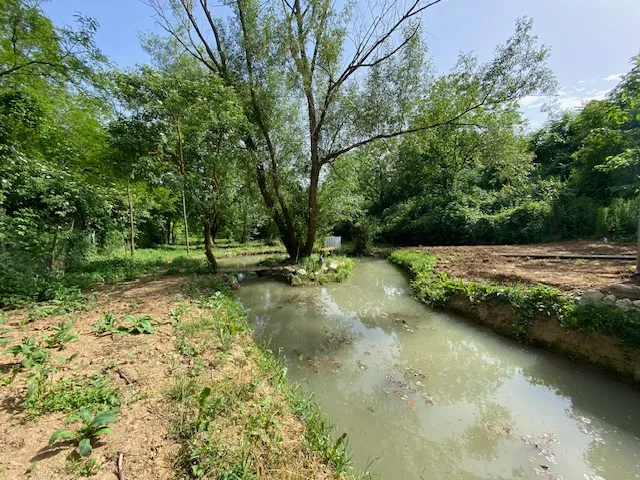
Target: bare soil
[
  {"x": 479, "y": 263},
  {"x": 143, "y": 368}
]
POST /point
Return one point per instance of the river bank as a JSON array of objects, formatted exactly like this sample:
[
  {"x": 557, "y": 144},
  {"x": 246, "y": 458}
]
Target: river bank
[
  {"x": 193, "y": 395},
  {"x": 599, "y": 334}
]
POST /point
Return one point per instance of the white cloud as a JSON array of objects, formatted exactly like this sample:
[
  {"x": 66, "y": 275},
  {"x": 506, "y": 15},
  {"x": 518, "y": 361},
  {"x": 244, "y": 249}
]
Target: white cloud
[
  {"x": 532, "y": 101},
  {"x": 581, "y": 89},
  {"x": 581, "y": 82},
  {"x": 614, "y": 77},
  {"x": 568, "y": 102}
]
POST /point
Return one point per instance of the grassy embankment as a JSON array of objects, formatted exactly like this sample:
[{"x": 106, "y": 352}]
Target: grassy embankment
[
  {"x": 177, "y": 376},
  {"x": 438, "y": 290}
]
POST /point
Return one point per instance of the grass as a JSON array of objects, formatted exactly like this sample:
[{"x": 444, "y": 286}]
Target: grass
[
  {"x": 68, "y": 395},
  {"x": 437, "y": 289},
  {"x": 241, "y": 423}
]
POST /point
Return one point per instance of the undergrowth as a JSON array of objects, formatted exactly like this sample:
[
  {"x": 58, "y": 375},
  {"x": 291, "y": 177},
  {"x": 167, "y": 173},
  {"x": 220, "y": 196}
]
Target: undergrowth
[
  {"x": 437, "y": 289},
  {"x": 68, "y": 394}
]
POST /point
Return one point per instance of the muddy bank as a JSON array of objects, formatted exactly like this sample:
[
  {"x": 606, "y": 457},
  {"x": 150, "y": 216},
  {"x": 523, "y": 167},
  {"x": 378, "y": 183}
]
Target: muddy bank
[
  {"x": 597, "y": 333},
  {"x": 604, "y": 351}
]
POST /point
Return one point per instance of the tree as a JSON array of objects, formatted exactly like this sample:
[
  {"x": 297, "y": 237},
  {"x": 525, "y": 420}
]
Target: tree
[
  {"x": 196, "y": 120},
  {"x": 129, "y": 141},
  {"x": 625, "y": 113},
  {"x": 31, "y": 47},
  {"x": 287, "y": 60}
]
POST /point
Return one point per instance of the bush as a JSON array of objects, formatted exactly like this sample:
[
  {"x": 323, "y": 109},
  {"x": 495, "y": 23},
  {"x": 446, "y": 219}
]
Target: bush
[{"x": 621, "y": 219}]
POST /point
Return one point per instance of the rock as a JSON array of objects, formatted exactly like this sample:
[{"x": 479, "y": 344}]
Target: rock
[
  {"x": 636, "y": 303},
  {"x": 333, "y": 266},
  {"x": 609, "y": 299},
  {"x": 626, "y": 290},
  {"x": 624, "y": 304},
  {"x": 590, "y": 297},
  {"x": 301, "y": 272}
]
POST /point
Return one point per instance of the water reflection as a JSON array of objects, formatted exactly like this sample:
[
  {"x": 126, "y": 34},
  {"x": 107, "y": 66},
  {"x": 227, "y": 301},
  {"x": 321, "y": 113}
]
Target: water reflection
[{"x": 428, "y": 395}]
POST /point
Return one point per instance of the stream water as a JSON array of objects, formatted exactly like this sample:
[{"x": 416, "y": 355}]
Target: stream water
[{"x": 427, "y": 395}]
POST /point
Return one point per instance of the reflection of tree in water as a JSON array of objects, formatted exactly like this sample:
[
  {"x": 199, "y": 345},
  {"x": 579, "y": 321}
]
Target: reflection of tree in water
[
  {"x": 463, "y": 370},
  {"x": 482, "y": 440},
  {"x": 418, "y": 458},
  {"x": 591, "y": 393}
]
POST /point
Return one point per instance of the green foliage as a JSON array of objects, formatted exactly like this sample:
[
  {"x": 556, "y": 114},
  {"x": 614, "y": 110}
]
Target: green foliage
[
  {"x": 31, "y": 352},
  {"x": 67, "y": 394},
  {"x": 107, "y": 324},
  {"x": 138, "y": 325},
  {"x": 438, "y": 290},
  {"x": 92, "y": 428},
  {"x": 62, "y": 333},
  {"x": 65, "y": 300}
]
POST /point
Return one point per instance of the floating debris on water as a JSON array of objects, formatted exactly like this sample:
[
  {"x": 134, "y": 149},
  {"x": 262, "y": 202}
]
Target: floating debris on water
[
  {"x": 362, "y": 365},
  {"x": 399, "y": 384}
]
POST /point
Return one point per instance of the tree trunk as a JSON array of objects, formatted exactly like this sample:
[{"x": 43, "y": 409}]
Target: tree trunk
[
  {"x": 208, "y": 251},
  {"x": 312, "y": 219},
  {"x": 132, "y": 236},
  {"x": 184, "y": 180},
  {"x": 184, "y": 217},
  {"x": 637, "y": 274}
]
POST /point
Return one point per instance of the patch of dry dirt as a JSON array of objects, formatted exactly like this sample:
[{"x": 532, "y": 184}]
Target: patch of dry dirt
[
  {"x": 479, "y": 263},
  {"x": 145, "y": 362}
]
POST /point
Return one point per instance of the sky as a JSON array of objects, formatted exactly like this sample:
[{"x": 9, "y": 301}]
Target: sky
[{"x": 592, "y": 41}]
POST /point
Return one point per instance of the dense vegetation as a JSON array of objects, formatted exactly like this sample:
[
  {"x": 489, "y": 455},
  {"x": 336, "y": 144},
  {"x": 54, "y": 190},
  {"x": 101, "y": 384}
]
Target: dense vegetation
[{"x": 282, "y": 122}]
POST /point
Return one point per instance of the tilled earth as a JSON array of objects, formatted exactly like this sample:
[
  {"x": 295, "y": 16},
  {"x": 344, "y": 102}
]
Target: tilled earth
[{"x": 479, "y": 263}]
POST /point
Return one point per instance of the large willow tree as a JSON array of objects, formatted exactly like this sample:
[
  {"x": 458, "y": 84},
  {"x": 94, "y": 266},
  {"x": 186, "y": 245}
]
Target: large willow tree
[{"x": 301, "y": 68}]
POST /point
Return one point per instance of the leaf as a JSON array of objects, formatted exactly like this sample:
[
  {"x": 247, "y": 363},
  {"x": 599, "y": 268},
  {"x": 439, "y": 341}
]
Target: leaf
[
  {"x": 204, "y": 394},
  {"x": 102, "y": 431},
  {"x": 61, "y": 434},
  {"x": 105, "y": 418},
  {"x": 85, "y": 447}
]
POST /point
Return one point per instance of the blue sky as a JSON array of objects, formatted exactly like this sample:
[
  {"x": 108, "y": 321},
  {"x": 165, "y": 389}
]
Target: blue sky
[{"x": 592, "y": 41}]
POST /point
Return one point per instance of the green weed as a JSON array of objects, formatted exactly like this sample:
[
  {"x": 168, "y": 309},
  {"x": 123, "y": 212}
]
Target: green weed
[
  {"x": 108, "y": 325},
  {"x": 32, "y": 353},
  {"x": 68, "y": 394},
  {"x": 62, "y": 333},
  {"x": 92, "y": 428}
]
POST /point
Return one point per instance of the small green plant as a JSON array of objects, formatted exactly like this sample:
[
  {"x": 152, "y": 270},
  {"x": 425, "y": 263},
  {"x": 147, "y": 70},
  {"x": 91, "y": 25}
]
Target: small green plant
[
  {"x": 4, "y": 338},
  {"x": 83, "y": 467},
  {"x": 106, "y": 325},
  {"x": 138, "y": 325},
  {"x": 177, "y": 313},
  {"x": 31, "y": 353},
  {"x": 63, "y": 333},
  {"x": 92, "y": 428},
  {"x": 8, "y": 380}
]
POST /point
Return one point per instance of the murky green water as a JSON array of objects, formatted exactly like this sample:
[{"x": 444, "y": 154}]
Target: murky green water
[{"x": 426, "y": 395}]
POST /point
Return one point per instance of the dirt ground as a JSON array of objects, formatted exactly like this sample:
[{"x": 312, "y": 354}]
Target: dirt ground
[
  {"x": 480, "y": 264},
  {"x": 142, "y": 367}
]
